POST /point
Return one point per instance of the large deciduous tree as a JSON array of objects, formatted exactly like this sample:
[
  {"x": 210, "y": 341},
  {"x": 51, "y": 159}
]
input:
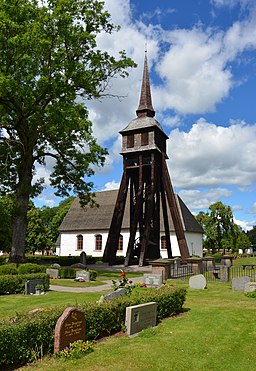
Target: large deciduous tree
[
  {"x": 49, "y": 67},
  {"x": 220, "y": 231}
]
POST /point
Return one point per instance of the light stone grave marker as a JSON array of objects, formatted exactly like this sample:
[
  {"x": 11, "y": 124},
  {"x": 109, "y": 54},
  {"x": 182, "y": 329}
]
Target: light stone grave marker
[
  {"x": 83, "y": 274},
  {"x": 30, "y": 286},
  {"x": 113, "y": 295},
  {"x": 238, "y": 283},
  {"x": 53, "y": 273},
  {"x": 69, "y": 328},
  {"x": 153, "y": 280},
  {"x": 250, "y": 287},
  {"x": 197, "y": 282},
  {"x": 139, "y": 317}
]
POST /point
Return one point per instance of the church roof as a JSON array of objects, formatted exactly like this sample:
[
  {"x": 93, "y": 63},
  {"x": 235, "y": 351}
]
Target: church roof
[{"x": 99, "y": 218}]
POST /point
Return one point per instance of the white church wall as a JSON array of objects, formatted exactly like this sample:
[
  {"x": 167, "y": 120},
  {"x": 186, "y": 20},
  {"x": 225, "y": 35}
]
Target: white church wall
[{"x": 68, "y": 244}]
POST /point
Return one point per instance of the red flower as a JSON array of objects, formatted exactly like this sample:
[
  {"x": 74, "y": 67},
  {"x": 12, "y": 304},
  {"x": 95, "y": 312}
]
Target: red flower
[
  {"x": 123, "y": 274},
  {"x": 130, "y": 282}
]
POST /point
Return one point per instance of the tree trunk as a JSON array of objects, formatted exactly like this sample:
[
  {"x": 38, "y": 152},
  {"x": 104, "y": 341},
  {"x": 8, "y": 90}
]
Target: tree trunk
[{"x": 21, "y": 208}]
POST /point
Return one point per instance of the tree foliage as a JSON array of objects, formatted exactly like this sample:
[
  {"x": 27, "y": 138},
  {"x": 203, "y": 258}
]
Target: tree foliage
[
  {"x": 252, "y": 235},
  {"x": 6, "y": 213},
  {"x": 220, "y": 231},
  {"x": 49, "y": 67}
]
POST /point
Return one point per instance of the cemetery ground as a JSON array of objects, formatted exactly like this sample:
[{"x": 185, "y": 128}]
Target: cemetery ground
[{"x": 216, "y": 331}]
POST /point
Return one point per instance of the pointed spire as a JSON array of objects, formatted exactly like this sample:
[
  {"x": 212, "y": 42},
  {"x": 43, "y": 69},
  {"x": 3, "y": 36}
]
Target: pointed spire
[{"x": 145, "y": 106}]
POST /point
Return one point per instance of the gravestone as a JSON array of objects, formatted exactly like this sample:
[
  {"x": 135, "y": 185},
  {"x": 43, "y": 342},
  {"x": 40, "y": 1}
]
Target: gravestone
[
  {"x": 69, "y": 328},
  {"x": 53, "y": 273},
  {"x": 83, "y": 274},
  {"x": 113, "y": 295},
  {"x": 153, "y": 280},
  {"x": 139, "y": 317},
  {"x": 83, "y": 258},
  {"x": 30, "y": 286},
  {"x": 250, "y": 287},
  {"x": 238, "y": 283},
  {"x": 197, "y": 282}
]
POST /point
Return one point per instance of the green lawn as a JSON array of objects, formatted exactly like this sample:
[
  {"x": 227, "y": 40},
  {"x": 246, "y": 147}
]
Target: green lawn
[
  {"x": 217, "y": 331},
  {"x": 72, "y": 283},
  {"x": 242, "y": 261}
]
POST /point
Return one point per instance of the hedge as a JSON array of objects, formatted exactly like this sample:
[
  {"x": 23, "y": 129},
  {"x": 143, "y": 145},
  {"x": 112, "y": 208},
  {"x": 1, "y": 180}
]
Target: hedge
[
  {"x": 13, "y": 284},
  {"x": 31, "y": 336}
]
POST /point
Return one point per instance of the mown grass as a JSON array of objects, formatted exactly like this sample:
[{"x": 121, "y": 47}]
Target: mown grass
[
  {"x": 243, "y": 261},
  {"x": 72, "y": 283},
  {"x": 217, "y": 331}
]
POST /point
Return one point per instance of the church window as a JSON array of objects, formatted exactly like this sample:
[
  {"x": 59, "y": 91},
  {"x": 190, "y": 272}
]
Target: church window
[
  {"x": 98, "y": 242},
  {"x": 144, "y": 139},
  {"x": 79, "y": 242},
  {"x": 120, "y": 242},
  {"x": 130, "y": 141},
  {"x": 163, "y": 243}
]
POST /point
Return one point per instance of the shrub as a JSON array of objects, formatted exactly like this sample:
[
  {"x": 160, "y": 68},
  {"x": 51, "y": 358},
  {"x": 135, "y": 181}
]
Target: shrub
[
  {"x": 11, "y": 284},
  {"x": 31, "y": 336},
  {"x": 63, "y": 261},
  {"x": 67, "y": 272},
  {"x": 8, "y": 269},
  {"x": 93, "y": 275},
  {"x": 29, "y": 268}
]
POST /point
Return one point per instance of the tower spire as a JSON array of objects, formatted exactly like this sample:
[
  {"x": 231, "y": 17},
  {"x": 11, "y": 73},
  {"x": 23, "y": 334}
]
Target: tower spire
[{"x": 145, "y": 106}]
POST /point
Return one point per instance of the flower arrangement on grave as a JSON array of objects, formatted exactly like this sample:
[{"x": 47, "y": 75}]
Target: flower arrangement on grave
[
  {"x": 76, "y": 349},
  {"x": 124, "y": 283}
]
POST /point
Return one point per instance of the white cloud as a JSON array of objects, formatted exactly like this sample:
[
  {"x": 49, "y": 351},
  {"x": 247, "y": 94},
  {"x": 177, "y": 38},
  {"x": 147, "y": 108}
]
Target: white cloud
[
  {"x": 210, "y": 155},
  {"x": 245, "y": 225},
  {"x": 109, "y": 186},
  {"x": 253, "y": 209},
  {"x": 197, "y": 200}
]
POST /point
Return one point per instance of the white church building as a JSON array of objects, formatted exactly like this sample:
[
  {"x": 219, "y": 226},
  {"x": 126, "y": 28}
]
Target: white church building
[{"x": 86, "y": 229}]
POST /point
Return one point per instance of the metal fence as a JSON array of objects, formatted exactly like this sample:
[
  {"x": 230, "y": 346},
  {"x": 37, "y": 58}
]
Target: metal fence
[{"x": 212, "y": 274}]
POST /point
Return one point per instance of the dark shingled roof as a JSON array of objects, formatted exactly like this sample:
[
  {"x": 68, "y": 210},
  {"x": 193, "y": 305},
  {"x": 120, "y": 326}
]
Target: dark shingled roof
[{"x": 99, "y": 218}]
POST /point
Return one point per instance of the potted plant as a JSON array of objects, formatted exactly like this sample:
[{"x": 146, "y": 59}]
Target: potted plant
[{"x": 39, "y": 289}]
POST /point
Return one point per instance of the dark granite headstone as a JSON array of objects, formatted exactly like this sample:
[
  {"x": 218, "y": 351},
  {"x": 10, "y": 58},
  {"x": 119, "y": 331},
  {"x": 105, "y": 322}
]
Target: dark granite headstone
[
  {"x": 69, "y": 328},
  {"x": 83, "y": 258},
  {"x": 30, "y": 286}
]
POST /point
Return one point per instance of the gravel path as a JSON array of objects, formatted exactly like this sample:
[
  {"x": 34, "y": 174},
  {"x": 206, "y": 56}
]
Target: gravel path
[{"x": 106, "y": 287}]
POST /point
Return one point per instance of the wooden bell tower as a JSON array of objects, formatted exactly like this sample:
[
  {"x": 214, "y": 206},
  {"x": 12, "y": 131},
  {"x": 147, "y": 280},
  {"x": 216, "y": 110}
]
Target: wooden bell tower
[{"x": 147, "y": 182}]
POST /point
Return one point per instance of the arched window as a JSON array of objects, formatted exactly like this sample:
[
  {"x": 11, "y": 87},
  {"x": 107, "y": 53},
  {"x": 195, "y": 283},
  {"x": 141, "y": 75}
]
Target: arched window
[
  {"x": 98, "y": 242},
  {"x": 79, "y": 242},
  {"x": 120, "y": 242},
  {"x": 163, "y": 243}
]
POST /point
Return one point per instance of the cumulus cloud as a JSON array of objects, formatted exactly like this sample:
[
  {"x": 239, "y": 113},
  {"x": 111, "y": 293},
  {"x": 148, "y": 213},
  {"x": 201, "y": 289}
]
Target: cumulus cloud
[
  {"x": 253, "y": 209},
  {"x": 201, "y": 199},
  {"x": 210, "y": 155},
  {"x": 109, "y": 186},
  {"x": 245, "y": 225}
]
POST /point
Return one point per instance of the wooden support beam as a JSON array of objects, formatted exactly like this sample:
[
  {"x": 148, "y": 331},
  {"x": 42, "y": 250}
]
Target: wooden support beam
[
  {"x": 166, "y": 222},
  {"x": 116, "y": 223},
  {"x": 176, "y": 217}
]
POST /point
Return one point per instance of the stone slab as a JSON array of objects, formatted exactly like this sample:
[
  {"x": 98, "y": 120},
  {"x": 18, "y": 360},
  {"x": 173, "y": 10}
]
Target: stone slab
[
  {"x": 113, "y": 295},
  {"x": 238, "y": 283},
  {"x": 69, "y": 328},
  {"x": 250, "y": 287},
  {"x": 83, "y": 274},
  {"x": 53, "y": 273},
  {"x": 153, "y": 280},
  {"x": 30, "y": 286},
  {"x": 139, "y": 317},
  {"x": 198, "y": 282}
]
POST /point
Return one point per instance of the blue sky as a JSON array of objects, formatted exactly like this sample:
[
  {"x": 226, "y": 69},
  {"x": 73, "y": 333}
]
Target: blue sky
[{"x": 202, "y": 60}]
